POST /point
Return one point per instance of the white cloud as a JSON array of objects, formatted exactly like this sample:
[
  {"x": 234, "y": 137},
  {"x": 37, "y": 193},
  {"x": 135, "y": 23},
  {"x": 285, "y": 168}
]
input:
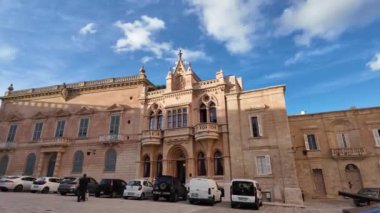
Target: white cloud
[
  {"x": 231, "y": 22},
  {"x": 374, "y": 64},
  {"x": 325, "y": 19},
  {"x": 89, "y": 28},
  {"x": 277, "y": 75},
  {"x": 138, "y": 35},
  {"x": 7, "y": 53},
  {"x": 316, "y": 52}
]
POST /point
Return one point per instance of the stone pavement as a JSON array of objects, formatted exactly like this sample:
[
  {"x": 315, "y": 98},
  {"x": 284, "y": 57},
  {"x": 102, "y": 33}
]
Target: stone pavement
[{"x": 11, "y": 202}]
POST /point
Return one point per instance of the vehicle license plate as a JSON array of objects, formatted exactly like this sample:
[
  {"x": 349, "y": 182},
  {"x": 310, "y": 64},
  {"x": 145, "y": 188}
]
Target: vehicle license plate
[
  {"x": 35, "y": 187},
  {"x": 194, "y": 194},
  {"x": 243, "y": 198},
  {"x": 131, "y": 193},
  {"x": 156, "y": 193}
]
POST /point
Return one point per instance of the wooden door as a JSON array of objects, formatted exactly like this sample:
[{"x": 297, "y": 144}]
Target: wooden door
[{"x": 319, "y": 182}]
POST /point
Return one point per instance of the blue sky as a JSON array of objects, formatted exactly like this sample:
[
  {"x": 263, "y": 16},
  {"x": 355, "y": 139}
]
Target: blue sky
[{"x": 326, "y": 52}]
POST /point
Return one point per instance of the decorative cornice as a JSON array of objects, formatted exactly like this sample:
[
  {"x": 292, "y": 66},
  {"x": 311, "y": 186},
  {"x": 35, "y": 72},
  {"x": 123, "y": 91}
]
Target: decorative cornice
[{"x": 65, "y": 90}]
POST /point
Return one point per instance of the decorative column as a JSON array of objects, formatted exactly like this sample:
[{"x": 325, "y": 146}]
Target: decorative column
[
  {"x": 40, "y": 163},
  {"x": 57, "y": 164}
]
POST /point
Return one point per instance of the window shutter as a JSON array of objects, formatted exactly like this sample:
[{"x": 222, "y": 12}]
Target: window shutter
[
  {"x": 268, "y": 165},
  {"x": 376, "y": 136},
  {"x": 259, "y": 124},
  {"x": 347, "y": 139},
  {"x": 340, "y": 140},
  {"x": 307, "y": 147}
]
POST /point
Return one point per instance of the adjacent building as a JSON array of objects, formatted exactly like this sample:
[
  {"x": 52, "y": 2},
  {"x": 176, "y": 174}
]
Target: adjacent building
[{"x": 128, "y": 127}]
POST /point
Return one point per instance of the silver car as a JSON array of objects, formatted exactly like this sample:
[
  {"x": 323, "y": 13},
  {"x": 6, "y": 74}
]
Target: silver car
[{"x": 138, "y": 188}]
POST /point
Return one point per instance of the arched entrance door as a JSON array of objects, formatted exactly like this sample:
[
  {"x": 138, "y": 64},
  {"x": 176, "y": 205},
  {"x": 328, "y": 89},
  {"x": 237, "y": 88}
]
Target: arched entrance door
[
  {"x": 51, "y": 165},
  {"x": 177, "y": 157},
  {"x": 354, "y": 178}
]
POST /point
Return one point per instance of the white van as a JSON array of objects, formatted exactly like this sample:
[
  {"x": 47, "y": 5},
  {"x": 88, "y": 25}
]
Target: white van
[
  {"x": 245, "y": 192},
  {"x": 204, "y": 190}
]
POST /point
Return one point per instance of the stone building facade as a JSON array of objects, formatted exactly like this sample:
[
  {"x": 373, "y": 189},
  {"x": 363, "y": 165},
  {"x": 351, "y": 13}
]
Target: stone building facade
[
  {"x": 129, "y": 128},
  {"x": 337, "y": 151}
]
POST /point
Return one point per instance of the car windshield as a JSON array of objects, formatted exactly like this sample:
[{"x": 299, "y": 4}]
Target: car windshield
[
  {"x": 243, "y": 188},
  {"x": 167, "y": 179},
  {"x": 69, "y": 180},
  {"x": 11, "y": 177},
  {"x": 105, "y": 181},
  {"x": 369, "y": 191},
  {"x": 134, "y": 183}
]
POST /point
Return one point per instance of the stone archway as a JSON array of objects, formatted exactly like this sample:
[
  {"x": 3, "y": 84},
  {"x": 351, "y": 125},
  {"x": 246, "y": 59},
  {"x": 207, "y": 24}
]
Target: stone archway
[
  {"x": 177, "y": 160},
  {"x": 354, "y": 178}
]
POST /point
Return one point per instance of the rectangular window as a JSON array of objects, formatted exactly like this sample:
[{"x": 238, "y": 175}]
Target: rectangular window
[
  {"x": 114, "y": 126},
  {"x": 83, "y": 127},
  {"x": 174, "y": 118},
  {"x": 179, "y": 117},
  {"x": 376, "y": 136},
  {"x": 343, "y": 140},
  {"x": 169, "y": 119},
  {"x": 12, "y": 133},
  {"x": 37, "y": 131},
  {"x": 60, "y": 129},
  {"x": 255, "y": 126},
  {"x": 184, "y": 120},
  {"x": 263, "y": 165},
  {"x": 310, "y": 142}
]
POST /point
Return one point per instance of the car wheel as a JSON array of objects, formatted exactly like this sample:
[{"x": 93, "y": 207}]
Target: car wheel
[
  {"x": 212, "y": 202},
  {"x": 126, "y": 197},
  {"x": 184, "y": 197},
  {"x": 63, "y": 193},
  {"x": 97, "y": 194},
  {"x": 191, "y": 201},
  {"x": 18, "y": 188},
  {"x": 256, "y": 205},
  {"x": 142, "y": 197},
  {"x": 155, "y": 197},
  {"x": 233, "y": 205},
  {"x": 45, "y": 190}
]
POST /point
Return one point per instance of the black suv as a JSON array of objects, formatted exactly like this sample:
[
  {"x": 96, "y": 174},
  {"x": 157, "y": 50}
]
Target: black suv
[
  {"x": 70, "y": 185},
  {"x": 170, "y": 188},
  {"x": 111, "y": 187}
]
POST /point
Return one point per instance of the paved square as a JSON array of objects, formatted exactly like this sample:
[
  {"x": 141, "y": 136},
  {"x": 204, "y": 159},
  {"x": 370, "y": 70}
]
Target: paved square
[{"x": 12, "y": 202}]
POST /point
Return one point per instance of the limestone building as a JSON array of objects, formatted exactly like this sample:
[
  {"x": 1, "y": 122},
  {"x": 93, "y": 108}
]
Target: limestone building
[
  {"x": 127, "y": 127},
  {"x": 337, "y": 151}
]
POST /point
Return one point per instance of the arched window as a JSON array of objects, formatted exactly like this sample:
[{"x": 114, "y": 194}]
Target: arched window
[
  {"x": 201, "y": 164},
  {"x": 146, "y": 166},
  {"x": 203, "y": 113},
  {"x": 4, "y": 164},
  {"x": 78, "y": 162},
  {"x": 159, "y": 120},
  {"x": 169, "y": 119},
  {"x": 218, "y": 163},
  {"x": 159, "y": 165},
  {"x": 152, "y": 121},
  {"x": 29, "y": 164},
  {"x": 213, "y": 118},
  {"x": 110, "y": 161}
]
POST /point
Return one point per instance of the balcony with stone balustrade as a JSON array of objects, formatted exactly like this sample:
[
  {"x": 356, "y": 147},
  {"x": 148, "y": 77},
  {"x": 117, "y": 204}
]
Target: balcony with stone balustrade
[
  {"x": 112, "y": 139},
  {"x": 151, "y": 137},
  {"x": 7, "y": 146},
  {"x": 206, "y": 131},
  {"x": 53, "y": 142},
  {"x": 347, "y": 153}
]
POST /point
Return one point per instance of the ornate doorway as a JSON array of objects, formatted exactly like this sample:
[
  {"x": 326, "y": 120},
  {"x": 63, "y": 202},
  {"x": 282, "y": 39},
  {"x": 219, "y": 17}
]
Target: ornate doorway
[
  {"x": 51, "y": 165},
  {"x": 354, "y": 178},
  {"x": 177, "y": 157}
]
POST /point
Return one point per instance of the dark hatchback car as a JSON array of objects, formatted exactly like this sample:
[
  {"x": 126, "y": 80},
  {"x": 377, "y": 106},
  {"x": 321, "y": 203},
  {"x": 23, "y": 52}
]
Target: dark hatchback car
[
  {"x": 170, "y": 188},
  {"x": 369, "y": 192},
  {"x": 70, "y": 185},
  {"x": 111, "y": 187}
]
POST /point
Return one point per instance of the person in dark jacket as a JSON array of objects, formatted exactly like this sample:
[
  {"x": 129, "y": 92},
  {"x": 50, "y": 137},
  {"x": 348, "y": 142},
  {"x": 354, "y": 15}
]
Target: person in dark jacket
[{"x": 82, "y": 188}]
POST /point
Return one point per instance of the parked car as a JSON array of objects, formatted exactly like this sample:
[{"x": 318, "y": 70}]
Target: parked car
[
  {"x": 70, "y": 185},
  {"x": 16, "y": 183},
  {"x": 110, "y": 187},
  {"x": 245, "y": 192},
  {"x": 204, "y": 190},
  {"x": 370, "y": 192},
  {"x": 138, "y": 188},
  {"x": 170, "y": 188},
  {"x": 45, "y": 185}
]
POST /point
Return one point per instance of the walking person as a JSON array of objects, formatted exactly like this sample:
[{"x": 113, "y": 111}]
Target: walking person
[{"x": 82, "y": 188}]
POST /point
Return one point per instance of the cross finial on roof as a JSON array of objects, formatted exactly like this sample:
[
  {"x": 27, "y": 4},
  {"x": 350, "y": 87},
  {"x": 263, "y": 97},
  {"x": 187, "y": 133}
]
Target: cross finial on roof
[{"x": 180, "y": 54}]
